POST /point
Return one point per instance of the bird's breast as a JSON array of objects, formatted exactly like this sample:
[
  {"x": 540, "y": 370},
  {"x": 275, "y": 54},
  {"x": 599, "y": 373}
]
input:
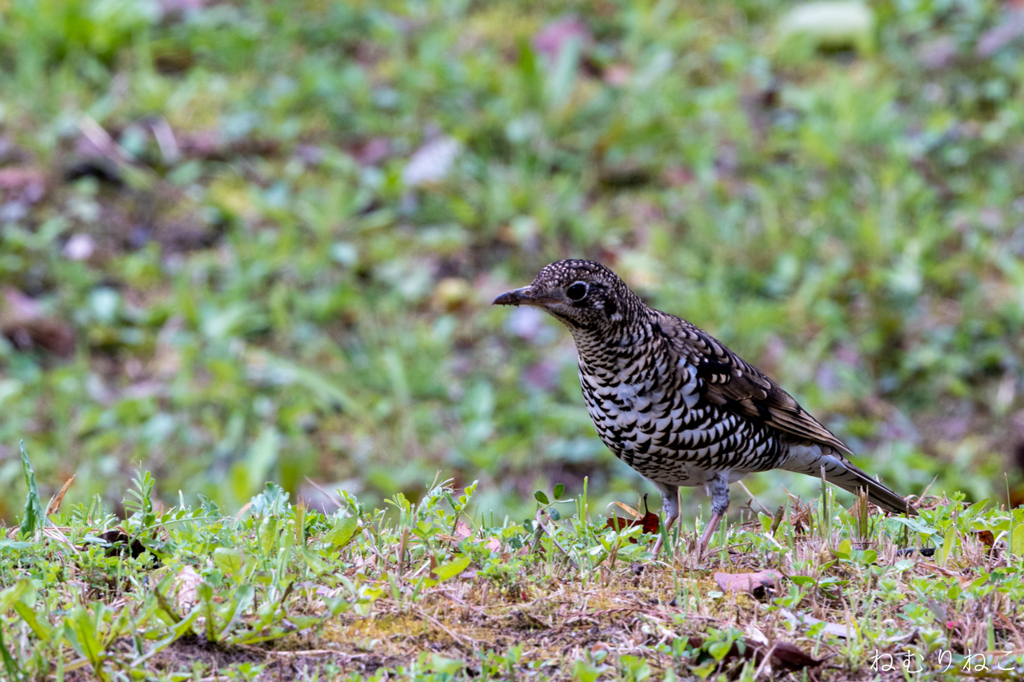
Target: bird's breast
[
  {"x": 652, "y": 417},
  {"x": 640, "y": 403}
]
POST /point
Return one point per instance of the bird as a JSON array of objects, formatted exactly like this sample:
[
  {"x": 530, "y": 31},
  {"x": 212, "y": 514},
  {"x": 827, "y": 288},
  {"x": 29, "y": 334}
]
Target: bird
[{"x": 679, "y": 407}]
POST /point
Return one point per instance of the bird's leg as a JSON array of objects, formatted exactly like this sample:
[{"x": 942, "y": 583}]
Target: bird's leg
[
  {"x": 718, "y": 489},
  {"x": 670, "y": 505}
]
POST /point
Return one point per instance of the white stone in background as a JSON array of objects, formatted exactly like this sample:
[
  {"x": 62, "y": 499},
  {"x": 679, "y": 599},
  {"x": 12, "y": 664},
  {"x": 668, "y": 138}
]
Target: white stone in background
[
  {"x": 79, "y": 247},
  {"x": 431, "y": 162}
]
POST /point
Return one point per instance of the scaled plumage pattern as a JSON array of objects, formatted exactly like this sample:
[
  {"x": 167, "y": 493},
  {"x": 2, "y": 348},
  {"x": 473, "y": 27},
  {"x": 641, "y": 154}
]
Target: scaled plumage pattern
[{"x": 677, "y": 405}]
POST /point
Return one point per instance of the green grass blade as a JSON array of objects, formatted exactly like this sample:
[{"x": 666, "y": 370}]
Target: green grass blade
[{"x": 34, "y": 517}]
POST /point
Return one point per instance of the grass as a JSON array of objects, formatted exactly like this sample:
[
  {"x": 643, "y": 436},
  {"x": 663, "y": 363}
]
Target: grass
[
  {"x": 436, "y": 590},
  {"x": 257, "y": 240}
]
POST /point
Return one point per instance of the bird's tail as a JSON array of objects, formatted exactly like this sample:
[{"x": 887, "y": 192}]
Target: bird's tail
[{"x": 843, "y": 473}]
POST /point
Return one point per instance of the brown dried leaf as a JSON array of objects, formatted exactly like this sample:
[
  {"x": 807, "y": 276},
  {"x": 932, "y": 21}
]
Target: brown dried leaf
[
  {"x": 433, "y": 565},
  {"x": 626, "y": 508},
  {"x": 792, "y": 658},
  {"x": 54, "y": 505},
  {"x": 119, "y": 541},
  {"x": 985, "y": 537},
  {"x": 747, "y": 582},
  {"x": 799, "y": 515}
]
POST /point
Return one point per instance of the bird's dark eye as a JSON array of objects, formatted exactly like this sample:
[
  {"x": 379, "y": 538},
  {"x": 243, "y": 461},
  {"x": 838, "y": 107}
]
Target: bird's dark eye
[{"x": 577, "y": 292}]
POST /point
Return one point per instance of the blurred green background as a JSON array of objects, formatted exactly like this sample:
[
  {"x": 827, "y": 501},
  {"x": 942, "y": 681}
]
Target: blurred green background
[{"x": 258, "y": 240}]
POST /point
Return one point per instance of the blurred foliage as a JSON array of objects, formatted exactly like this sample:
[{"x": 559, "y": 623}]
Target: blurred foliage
[{"x": 258, "y": 239}]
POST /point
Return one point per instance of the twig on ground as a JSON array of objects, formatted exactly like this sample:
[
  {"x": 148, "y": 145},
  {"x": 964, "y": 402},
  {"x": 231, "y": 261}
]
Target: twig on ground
[{"x": 538, "y": 521}]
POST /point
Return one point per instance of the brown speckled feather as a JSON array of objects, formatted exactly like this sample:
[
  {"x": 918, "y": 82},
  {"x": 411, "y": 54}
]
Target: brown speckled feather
[{"x": 740, "y": 387}]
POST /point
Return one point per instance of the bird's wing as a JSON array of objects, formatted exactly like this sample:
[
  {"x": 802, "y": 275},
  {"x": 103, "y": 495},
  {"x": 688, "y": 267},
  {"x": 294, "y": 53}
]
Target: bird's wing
[{"x": 738, "y": 386}]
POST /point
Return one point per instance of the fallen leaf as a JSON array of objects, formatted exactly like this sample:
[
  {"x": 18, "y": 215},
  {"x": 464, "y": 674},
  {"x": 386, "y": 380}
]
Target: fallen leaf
[
  {"x": 792, "y": 658},
  {"x": 629, "y": 510},
  {"x": 788, "y": 655},
  {"x": 754, "y": 583},
  {"x": 650, "y": 524},
  {"x": 54, "y": 505},
  {"x": 928, "y": 566},
  {"x": 185, "y": 584},
  {"x": 119, "y": 541},
  {"x": 462, "y": 530}
]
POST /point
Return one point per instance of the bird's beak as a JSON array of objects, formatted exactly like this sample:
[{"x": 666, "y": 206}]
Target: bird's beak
[{"x": 521, "y": 296}]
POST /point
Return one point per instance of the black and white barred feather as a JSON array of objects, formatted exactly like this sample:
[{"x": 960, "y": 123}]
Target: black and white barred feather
[{"x": 677, "y": 405}]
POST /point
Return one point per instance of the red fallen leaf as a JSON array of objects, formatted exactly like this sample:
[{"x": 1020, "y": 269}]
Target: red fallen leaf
[
  {"x": 746, "y": 582},
  {"x": 985, "y": 537},
  {"x": 650, "y": 524}
]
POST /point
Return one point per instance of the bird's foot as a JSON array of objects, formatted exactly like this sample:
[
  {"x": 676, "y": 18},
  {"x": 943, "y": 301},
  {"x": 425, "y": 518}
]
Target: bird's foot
[{"x": 705, "y": 537}]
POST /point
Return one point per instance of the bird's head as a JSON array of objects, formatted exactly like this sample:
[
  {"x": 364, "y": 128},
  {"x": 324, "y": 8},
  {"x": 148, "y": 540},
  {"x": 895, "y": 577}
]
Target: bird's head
[{"x": 580, "y": 293}]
